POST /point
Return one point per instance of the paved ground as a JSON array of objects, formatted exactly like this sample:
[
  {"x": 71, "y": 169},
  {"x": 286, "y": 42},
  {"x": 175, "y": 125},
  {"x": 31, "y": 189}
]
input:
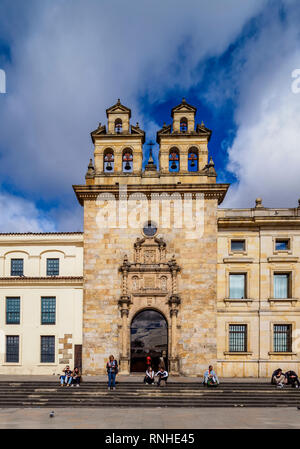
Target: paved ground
[
  {"x": 131, "y": 378},
  {"x": 155, "y": 418}
]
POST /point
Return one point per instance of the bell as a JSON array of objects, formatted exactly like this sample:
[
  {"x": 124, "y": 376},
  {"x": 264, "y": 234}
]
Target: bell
[
  {"x": 173, "y": 165},
  {"x": 193, "y": 163},
  {"x": 108, "y": 166},
  {"x": 127, "y": 166}
]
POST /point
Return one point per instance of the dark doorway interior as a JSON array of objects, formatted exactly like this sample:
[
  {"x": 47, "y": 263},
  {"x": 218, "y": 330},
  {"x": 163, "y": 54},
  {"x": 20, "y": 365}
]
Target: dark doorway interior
[
  {"x": 149, "y": 337},
  {"x": 78, "y": 356}
]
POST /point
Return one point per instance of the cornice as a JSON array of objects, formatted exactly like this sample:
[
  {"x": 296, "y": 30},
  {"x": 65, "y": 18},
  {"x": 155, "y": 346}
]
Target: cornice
[
  {"x": 59, "y": 280},
  {"x": 210, "y": 191},
  {"x": 258, "y": 222}
]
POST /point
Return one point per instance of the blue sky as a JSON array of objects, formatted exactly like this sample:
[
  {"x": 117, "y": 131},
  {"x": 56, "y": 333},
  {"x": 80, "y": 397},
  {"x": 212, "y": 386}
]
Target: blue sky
[{"x": 67, "y": 61}]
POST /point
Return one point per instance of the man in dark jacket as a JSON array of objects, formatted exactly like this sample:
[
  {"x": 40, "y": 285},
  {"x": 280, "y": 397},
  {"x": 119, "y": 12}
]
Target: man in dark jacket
[{"x": 292, "y": 379}]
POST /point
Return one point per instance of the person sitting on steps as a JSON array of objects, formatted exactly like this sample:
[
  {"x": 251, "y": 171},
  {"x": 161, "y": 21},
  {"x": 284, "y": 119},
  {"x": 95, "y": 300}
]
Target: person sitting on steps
[
  {"x": 278, "y": 378},
  {"x": 210, "y": 377},
  {"x": 149, "y": 377},
  {"x": 292, "y": 379},
  {"x": 76, "y": 377},
  {"x": 66, "y": 376},
  {"x": 162, "y": 376}
]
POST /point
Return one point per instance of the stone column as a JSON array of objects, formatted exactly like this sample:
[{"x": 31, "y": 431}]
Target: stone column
[
  {"x": 124, "y": 303},
  {"x": 174, "y": 302}
]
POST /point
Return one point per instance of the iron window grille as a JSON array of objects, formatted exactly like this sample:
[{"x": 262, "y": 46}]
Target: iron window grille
[
  {"x": 12, "y": 349},
  {"x": 17, "y": 267},
  {"x": 52, "y": 267},
  {"x": 13, "y": 310},
  {"x": 282, "y": 338},
  {"x": 237, "y": 338},
  {"x": 48, "y": 349},
  {"x": 48, "y": 310}
]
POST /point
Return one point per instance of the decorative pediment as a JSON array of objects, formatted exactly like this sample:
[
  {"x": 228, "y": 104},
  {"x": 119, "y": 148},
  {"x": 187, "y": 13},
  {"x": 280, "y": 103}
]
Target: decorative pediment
[
  {"x": 99, "y": 131},
  {"x": 203, "y": 131},
  {"x": 118, "y": 108},
  {"x": 165, "y": 130},
  {"x": 184, "y": 107},
  {"x": 138, "y": 131},
  {"x": 150, "y": 272}
]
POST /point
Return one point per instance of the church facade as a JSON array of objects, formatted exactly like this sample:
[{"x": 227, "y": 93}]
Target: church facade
[
  {"x": 170, "y": 273},
  {"x": 161, "y": 270}
]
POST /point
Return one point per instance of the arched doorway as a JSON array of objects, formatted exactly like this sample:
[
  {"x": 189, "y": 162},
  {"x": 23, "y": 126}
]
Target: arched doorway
[{"x": 149, "y": 337}]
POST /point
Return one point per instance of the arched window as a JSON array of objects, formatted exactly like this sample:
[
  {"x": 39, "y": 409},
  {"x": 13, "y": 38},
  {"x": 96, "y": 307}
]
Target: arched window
[
  {"x": 174, "y": 162},
  {"x": 118, "y": 126},
  {"x": 193, "y": 159},
  {"x": 108, "y": 161},
  {"x": 183, "y": 125},
  {"x": 127, "y": 160}
]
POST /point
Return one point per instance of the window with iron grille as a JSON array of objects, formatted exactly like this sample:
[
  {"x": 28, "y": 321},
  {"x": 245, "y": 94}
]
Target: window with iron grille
[
  {"x": 48, "y": 309},
  {"x": 13, "y": 310},
  {"x": 12, "y": 349},
  {"x": 282, "y": 338},
  {"x": 17, "y": 267},
  {"x": 52, "y": 267},
  {"x": 48, "y": 349},
  {"x": 237, "y": 338}
]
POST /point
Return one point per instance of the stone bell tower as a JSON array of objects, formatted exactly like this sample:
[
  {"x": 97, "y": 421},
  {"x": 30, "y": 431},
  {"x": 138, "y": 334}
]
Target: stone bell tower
[{"x": 166, "y": 264}]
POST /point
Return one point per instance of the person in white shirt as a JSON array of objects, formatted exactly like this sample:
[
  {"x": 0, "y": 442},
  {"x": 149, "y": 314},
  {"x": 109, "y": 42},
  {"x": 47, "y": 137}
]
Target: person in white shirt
[
  {"x": 210, "y": 377},
  {"x": 162, "y": 376}
]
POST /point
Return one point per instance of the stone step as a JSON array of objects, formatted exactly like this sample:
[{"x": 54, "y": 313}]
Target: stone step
[{"x": 95, "y": 394}]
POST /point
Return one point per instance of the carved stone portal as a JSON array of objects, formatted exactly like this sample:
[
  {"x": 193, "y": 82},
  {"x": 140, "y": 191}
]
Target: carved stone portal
[{"x": 149, "y": 282}]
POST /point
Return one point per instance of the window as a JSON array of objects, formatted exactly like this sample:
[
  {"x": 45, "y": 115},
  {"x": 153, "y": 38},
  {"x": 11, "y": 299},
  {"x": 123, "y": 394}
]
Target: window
[
  {"x": 238, "y": 245},
  {"x": 282, "y": 338},
  {"x": 174, "y": 160},
  {"x": 237, "y": 286},
  {"x": 47, "y": 349},
  {"x": 108, "y": 161},
  {"x": 237, "y": 338},
  {"x": 48, "y": 308},
  {"x": 150, "y": 229},
  {"x": 52, "y": 267},
  {"x": 118, "y": 126},
  {"x": 17, "y": 267},
  {"x": 282, "y": 244},
  {"x": 183, "y": 125},
  {"x": 127, "y": 161},
  {"x": 282, "y": 285},
  {"x": 13, "y": 310},
  {"x": 193, "y": 160},
  {"x": 12, "y": 349}
]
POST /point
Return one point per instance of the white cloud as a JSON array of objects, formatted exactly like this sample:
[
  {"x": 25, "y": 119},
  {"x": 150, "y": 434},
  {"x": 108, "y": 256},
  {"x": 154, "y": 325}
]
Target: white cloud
[
  {"x": 72, "y": 59},
  {"x": 20, "y": 215},
  {"x": 265, "y": 155}
]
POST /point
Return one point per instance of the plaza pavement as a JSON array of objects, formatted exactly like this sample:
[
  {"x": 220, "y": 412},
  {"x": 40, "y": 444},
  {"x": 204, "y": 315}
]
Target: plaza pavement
[{"x": 150, "y": 418}]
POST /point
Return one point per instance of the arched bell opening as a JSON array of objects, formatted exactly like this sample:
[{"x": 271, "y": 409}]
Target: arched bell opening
[
  {"x": 174, "y": 160},
  {"x": 127, "y": 160},
  {"x": 183, "y": 125},
  {"x": 118, "y": 126},
  {"x": 108, "y": 161},
  {"x": 193, "y": 159}
]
